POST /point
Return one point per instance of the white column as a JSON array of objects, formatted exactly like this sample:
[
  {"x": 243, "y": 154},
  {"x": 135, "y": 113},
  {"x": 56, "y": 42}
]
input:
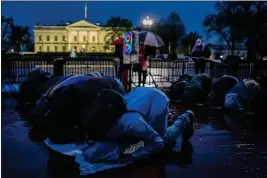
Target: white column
[
  {"x": 68, "y": 41},
  {"x": 89, "y": 41},
  {"x": 78, "y": 39},
  {"x": 98, "y": 40}
]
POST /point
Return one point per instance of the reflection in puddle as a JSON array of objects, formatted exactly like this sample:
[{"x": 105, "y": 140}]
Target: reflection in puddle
[{"x": 223, "y": 146}]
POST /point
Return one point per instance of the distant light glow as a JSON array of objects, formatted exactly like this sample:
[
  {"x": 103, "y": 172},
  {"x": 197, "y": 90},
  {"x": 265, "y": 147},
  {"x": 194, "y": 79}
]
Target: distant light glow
[
  {"x": 147, "y": 21},
  {"x": 221, "y": 57}
]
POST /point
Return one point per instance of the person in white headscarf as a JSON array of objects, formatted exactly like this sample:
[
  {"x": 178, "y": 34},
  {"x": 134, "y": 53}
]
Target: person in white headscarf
[{"x": 198, "y": 53}]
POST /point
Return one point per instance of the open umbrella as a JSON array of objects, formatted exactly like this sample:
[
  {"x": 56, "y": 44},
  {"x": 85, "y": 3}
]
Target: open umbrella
[{"x": 151, "y": 39}]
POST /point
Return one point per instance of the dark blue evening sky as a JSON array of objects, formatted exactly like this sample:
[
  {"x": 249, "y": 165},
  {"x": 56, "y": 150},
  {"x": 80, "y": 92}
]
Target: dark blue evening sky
[{"x": 32, "y": 13}]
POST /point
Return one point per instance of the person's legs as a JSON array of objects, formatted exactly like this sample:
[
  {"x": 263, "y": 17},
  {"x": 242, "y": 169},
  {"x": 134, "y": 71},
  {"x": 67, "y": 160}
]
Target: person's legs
[
  {"x": 202, "y": 67},
  {"x": 197, "y": 67},
  {"x": 144, "y": 77},
  {"x": 139, "y": 77},
  {"x": 182, "y": 126},
  {"x": 154, "y": 104}
]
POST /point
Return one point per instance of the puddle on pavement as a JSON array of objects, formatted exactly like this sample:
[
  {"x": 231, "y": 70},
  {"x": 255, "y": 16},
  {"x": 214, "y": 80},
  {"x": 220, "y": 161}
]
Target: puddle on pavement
[{"x": 221, "y": 147}]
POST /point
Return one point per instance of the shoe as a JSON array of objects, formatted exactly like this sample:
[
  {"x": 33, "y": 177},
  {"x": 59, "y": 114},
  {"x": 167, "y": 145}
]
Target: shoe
[{"x": 189, "y": 130}]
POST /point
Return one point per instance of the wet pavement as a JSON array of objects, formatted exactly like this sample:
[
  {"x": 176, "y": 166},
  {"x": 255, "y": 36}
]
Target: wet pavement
[{"x": 222, "y": 146}]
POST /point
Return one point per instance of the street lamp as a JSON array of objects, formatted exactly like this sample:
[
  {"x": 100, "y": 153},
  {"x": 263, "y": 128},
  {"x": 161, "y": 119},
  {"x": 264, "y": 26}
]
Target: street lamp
[{"x": 147, "y": 22}]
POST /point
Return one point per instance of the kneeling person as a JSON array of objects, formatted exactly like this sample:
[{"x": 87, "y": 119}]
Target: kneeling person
[
  {"x": 197, "y": 89},
  {"x": 143, "y": 117},
  {"x": 220, "y": 88},
  {"x": 178, "y": 87},
  {"x": 140, "y": 115},
  {"x": 242, "y": 95}
]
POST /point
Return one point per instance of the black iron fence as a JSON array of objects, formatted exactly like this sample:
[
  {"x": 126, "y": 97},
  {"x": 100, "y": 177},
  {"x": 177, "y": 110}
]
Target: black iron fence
[{"x": 163, "y": 72}]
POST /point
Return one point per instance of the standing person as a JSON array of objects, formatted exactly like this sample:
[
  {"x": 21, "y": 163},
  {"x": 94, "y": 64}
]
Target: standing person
[
  {"x": 198, "y": 52},
  {"x": 143, "y": 65},
  {"x": 124, "y": 68}
]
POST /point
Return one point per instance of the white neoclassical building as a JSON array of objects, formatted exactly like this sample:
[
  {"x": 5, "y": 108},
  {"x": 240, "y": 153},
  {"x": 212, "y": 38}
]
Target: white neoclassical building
[{"x": 82, "y": 36}]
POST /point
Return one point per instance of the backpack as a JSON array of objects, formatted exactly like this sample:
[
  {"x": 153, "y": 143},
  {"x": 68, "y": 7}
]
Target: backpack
[{"x": 62, "y": 104}]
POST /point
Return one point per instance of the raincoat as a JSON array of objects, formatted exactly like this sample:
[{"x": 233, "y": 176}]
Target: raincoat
[
  {"x": 197, "y": 89},
  {"x": 241, "y": 95},
  {"x": 220, "y": 88}
]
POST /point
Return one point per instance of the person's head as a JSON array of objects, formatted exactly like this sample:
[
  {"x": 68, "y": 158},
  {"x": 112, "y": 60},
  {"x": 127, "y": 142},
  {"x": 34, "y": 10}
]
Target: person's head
[
  {"x": 253, "y": 87},
  {"x": 199, "y": 42},
  {"x": 28, "y": 88},
  {"x": 102, "y": 112}
]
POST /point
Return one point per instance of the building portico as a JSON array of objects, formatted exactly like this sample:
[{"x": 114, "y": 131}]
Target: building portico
[{"x": 81, "y": 36}]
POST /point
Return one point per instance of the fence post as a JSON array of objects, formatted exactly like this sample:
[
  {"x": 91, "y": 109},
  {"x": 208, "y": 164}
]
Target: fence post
[
  {"x": 211, "y": 69},
  {"x": 184, "y": 67},
  {"x": 59, "y": 67}
]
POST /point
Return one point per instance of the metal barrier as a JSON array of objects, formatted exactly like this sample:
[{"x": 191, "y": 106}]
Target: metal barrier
[
  {"x": 77, "y": 66},
  {"x": 16, "y": 70},
  {"x": 164, "y": 72}
]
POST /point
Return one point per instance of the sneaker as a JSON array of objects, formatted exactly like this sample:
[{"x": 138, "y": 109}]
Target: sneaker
[{"x": 189, "y": 131}]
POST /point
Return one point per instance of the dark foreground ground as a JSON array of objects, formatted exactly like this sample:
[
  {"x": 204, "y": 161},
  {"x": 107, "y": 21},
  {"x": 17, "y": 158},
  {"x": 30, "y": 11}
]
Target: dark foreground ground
[{"x": 222, "y": 147}]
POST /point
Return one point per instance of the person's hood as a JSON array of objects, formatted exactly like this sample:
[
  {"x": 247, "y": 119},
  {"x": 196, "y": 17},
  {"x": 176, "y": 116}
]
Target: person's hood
[{"x": 199, "y": 42}]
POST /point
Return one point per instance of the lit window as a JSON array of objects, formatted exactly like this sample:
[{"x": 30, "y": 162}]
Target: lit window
[{"x": 93, "y": 49}]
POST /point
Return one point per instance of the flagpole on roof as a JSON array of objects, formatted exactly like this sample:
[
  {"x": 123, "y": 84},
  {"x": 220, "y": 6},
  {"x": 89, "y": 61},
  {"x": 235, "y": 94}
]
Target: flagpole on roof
[{"x": 85, "y": 10}]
